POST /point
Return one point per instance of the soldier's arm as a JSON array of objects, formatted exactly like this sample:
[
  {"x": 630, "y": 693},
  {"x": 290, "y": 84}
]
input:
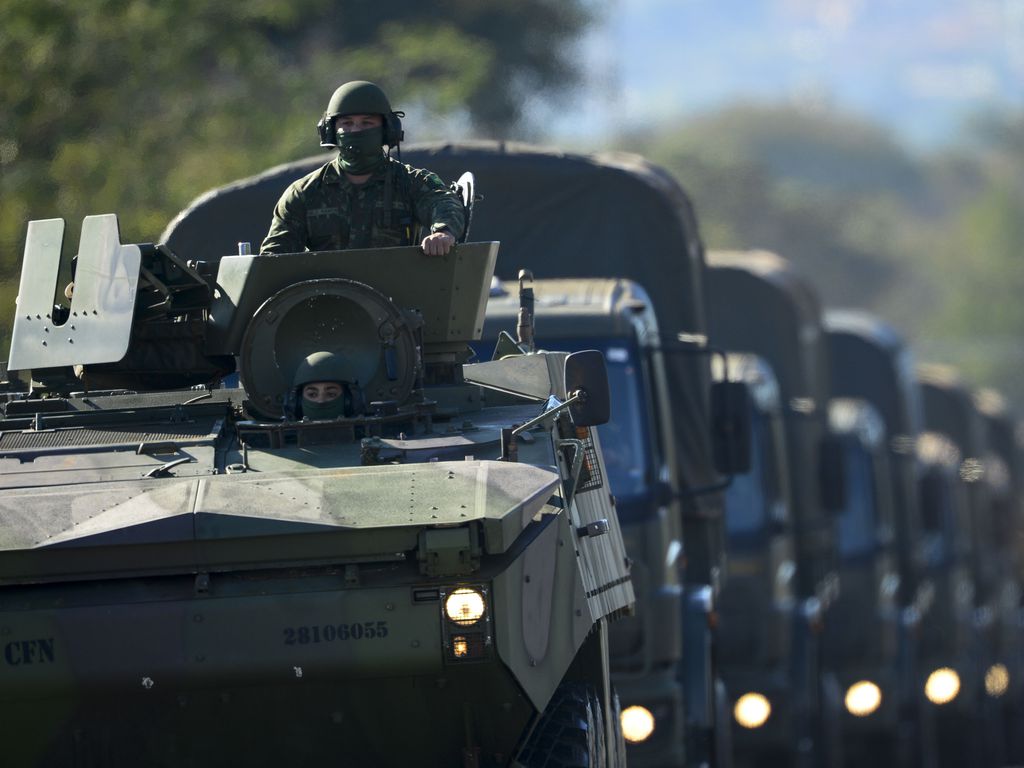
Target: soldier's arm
[
  {"x": 438, "y": 208},
  {"x": 288, "y": 228}
]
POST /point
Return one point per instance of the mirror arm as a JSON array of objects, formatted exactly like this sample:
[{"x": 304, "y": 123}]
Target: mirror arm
[{"x": 579, "y": 395}]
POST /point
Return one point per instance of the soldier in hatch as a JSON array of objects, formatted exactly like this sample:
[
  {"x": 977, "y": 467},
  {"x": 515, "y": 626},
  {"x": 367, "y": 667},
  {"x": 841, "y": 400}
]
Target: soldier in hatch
[{"x": 364, "y": 198}]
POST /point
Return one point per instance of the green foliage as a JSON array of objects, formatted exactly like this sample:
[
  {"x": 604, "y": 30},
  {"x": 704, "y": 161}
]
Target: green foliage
[
  {"x": 981, "y": 261},
  {"x": 138, "y": 106},
  {"x": 754, "y": 191}
]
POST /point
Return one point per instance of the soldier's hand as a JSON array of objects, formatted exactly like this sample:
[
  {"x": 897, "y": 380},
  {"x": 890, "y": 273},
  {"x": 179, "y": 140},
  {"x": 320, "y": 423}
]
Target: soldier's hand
[{"x": 438, "y": 244}]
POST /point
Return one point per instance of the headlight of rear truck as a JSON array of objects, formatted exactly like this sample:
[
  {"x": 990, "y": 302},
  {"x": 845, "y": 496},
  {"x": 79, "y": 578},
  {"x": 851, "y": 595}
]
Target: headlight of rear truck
[
  {"x": 752, "y": 710},
  {"x": 863, "y": 698},
  {"x": 637, "y": 724}
]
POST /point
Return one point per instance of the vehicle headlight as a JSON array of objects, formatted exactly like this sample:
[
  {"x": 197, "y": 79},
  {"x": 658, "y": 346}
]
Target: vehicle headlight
[
  {"x": 465, "y": 606},
  {"x": 943, "y": 686},
  {"x": 997, "y": 680},
  {"x": 863, "y": 698},
  {"x": 752, "y": 710},
  {"x": 637, "y": 724}
]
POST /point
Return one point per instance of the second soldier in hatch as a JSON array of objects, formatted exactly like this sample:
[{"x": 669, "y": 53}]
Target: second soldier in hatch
[{"x": 364, "y": 198}]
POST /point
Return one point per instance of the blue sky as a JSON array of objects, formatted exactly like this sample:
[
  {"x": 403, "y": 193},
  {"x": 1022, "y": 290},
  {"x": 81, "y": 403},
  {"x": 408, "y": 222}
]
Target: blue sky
[{"x": 918, "y": 65}]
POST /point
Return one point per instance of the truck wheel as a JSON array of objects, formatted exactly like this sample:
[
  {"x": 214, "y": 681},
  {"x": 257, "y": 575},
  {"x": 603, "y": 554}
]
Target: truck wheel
[
  {"x": 617, "y": 753},
  {"x": 570, "y": 732}
]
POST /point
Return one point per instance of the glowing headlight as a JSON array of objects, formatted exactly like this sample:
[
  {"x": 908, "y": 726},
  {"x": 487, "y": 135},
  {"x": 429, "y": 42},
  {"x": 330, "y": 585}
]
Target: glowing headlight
[
  {"x": 997, "y": 680},
  {"x": 752, "y": 710},
  {"x": 863, "y": 698},
  {"x": 943, "y": 686},
  {"x": 637, "y": 724},
  {"x": 465, "y": 606}
]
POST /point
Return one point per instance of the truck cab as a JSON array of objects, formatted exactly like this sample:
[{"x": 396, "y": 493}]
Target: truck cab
[
  {"x": 616, "y": 317},
  {"x": 862, "y": 634},
  {"x": 971, "y": 731},
  {"x": 760, "y": 306},
  {"x": 1005, "y": 680},
  {"x": 871, "y": 363},
  {"x": 758, "y": 607}
]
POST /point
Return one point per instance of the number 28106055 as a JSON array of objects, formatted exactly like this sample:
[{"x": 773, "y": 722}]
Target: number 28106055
[{"x": 332, "y": 633}]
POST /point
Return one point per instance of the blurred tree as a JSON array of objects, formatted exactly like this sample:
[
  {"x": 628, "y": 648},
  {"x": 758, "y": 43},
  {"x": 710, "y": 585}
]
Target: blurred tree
[
  {"x": 750, "y": 191},
  {"x": 137, "y": 106},
  {"x": 933, "y": 243},
  {"x": 979, "y": 325},
  {"x": 809, "y": 148}
]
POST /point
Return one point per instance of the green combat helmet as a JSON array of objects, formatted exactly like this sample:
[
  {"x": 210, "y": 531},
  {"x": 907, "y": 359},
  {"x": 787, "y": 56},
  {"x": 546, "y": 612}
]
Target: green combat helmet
[
  {"x": 320, "y": 366},
  {"x": 360, "y": 97},
  {"x": 324, "y": 366}
]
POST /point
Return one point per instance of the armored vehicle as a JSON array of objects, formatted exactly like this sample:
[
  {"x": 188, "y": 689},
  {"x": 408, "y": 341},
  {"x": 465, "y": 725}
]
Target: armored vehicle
[
  {"x": 205, "y": 577},
  {"x": 780, "y": 323},
  {"x": 970, "y": 726},
  {"x": 869, "y": 362},
  {"x": 564, "y": 214}
]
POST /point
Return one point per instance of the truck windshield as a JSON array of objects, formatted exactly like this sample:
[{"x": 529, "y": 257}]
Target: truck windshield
[
  {"x": 746, "y": 500},
  {"x": 857, "y": 521}
]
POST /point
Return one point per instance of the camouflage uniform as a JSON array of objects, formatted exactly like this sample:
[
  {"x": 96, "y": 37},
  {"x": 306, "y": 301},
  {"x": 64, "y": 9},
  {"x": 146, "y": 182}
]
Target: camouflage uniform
[{"x": 324, "y": 211}]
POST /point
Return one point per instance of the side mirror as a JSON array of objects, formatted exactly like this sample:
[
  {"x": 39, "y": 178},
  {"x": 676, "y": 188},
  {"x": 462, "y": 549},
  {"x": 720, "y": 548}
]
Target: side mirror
[
  {"x": 832, "y": 473},
  {"x": 586, "y": 372},
  {"x": 730, "y": 427}
]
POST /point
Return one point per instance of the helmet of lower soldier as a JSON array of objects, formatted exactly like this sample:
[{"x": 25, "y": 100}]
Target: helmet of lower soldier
[{"x": 320, "y": 366}]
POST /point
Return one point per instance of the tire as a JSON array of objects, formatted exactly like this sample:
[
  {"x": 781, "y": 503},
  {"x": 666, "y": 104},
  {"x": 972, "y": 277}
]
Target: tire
[
  {"x": 617, "y": 754},
  {"x": 570, "y": 732}
]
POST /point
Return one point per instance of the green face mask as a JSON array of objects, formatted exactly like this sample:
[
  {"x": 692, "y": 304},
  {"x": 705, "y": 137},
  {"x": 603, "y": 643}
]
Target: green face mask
[
  {"x": 360, "y": 152},
  {"x": 319, "y": 411}
]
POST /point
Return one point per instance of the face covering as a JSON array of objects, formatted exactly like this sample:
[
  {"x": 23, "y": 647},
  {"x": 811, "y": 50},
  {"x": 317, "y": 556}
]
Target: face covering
[
  {"x": 360, "y": 152},
  {"x": 332, "y": 409},
  {"x": 320, "y": 411}
]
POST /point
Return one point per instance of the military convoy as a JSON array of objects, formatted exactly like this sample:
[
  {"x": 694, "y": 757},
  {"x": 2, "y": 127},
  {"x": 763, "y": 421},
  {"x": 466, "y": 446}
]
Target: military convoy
[{"x": 650, "y": 506}]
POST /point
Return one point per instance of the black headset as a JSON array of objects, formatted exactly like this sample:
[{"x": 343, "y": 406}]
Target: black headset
[{"x": 393, "y": 133}]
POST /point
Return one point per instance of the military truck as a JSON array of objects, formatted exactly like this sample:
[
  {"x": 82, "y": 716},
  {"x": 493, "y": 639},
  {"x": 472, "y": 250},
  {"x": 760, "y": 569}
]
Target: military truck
[
  {"x": 617, "y": 317},
  {"x": 870, "y": 362},
  {"x": 758, "y": 606},
  {"x": 780, "y": 322},
  {"x": 969, "y": 726},
  {"x": 861, "y": 640},
  {"x": 598, "y": 216},
  {"x": 1005, "y": 681},
  {"x": 199, "y": 576},
  {"x": 947, "y": 628}
]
